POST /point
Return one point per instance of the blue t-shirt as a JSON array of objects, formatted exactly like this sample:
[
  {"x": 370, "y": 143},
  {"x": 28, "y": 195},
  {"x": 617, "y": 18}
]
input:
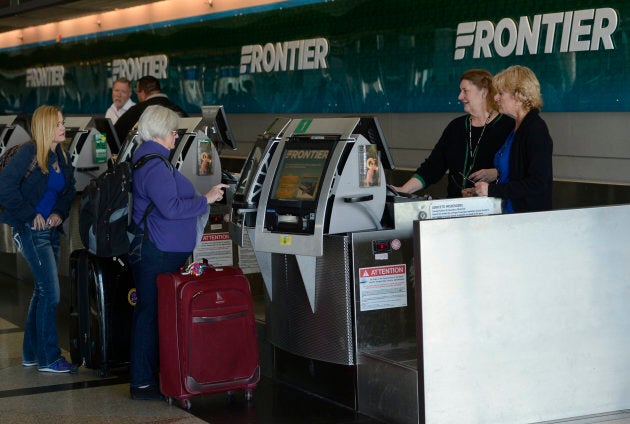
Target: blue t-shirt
[
  {"x": 502, "y": 163},
  {"x": 56, "y": 184}
]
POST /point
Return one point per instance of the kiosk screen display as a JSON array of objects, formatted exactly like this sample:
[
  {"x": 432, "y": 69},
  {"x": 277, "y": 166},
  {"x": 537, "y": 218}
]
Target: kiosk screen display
[
  {"x": 297, "y": 184},
  {"x": 71, "y": 133},
  {"x": 248, "y": 172},
  {"x": 301, "y": 170}
]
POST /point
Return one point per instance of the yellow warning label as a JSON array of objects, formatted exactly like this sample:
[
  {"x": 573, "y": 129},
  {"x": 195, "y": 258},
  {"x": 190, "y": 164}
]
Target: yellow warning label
[{"x": 285, "y": 240}]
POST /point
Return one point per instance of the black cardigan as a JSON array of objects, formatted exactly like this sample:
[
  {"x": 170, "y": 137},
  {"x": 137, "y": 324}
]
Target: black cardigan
[
  {"x": 531, "y": 171},
  {"x": 449, "y": 154}
]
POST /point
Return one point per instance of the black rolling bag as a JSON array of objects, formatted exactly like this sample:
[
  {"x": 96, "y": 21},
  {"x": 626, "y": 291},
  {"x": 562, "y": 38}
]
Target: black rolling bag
[{"x": 101, "y": 308}]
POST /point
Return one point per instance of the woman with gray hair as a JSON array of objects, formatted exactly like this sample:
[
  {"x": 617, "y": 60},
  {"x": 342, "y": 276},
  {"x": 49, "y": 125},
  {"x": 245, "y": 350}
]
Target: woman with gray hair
[
  {"x": 164, "y": 238},
  {"x": 524, "y": 162}
]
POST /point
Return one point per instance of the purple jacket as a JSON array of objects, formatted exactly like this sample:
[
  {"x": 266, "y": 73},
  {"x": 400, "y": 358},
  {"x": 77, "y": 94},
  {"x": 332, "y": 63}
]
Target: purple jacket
[{"x": 173, "y": 222}]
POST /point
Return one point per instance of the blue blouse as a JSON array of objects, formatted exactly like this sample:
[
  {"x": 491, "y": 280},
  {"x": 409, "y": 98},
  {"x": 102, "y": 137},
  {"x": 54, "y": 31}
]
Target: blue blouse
[
  {"x": 56, "y": 184},
  {"x": 502, "y": 164}
]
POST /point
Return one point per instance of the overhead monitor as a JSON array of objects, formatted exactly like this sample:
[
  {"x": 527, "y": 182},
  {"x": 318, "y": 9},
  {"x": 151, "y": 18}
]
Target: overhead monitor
[
  {"x": 218, "y": 128},
  {"x": 105, "y": 126},
  {"x": 370, "y": 128}
]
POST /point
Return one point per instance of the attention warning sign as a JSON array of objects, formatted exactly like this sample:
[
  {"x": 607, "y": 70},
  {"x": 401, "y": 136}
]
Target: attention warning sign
[{"x": 383, "y": 287}]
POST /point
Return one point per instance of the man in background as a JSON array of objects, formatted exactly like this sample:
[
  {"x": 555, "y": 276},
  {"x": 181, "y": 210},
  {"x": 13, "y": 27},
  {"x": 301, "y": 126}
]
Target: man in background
[
  {"x": 149, "y": 93},
  {"x": 121, "y": 96}
]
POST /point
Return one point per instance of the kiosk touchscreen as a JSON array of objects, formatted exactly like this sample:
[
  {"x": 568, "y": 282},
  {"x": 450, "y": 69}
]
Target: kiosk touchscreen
[
  {"x": 252, "y": 176},
  {"x": 218, "y": 128},
  {"x": 129, "y": 146},
  {"x": 297, "y": 184}
]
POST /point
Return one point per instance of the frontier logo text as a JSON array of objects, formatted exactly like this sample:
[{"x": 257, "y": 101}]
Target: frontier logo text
[
  {"x": 579, "y": 30},
  {"x": 285, "y": 56}
]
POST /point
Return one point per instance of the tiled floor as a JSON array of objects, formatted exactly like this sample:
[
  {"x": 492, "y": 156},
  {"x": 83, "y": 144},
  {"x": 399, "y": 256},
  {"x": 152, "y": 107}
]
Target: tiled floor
[{"x": 28, "y": 396}]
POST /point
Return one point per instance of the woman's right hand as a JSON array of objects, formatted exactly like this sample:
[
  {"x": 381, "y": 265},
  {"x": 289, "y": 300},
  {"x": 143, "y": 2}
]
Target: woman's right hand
[
  {"x": 216, "y": 193},
  {"x": 488, "y": 175},
  {"x": 39, "y": 223}
]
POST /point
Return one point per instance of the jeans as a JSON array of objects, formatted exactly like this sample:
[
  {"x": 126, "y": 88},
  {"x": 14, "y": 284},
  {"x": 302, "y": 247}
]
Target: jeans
[
  {"x": 41, "y": 251},
  {"x": 147, "y": 261}
]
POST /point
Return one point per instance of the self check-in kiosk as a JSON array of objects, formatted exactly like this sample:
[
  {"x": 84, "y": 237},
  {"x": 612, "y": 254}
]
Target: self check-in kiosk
[
  {"x": 339, "y": 276},
  {"x": 252, "y": 176},
  {"x": 197, "y": 147},
  {"x": 246, "y": 197},
  {"x": 80, "y": 143},
  {"x": 197, "y": 156},
  {"x": 11, "y": 133},
  {"x": 317, "y": 188}
]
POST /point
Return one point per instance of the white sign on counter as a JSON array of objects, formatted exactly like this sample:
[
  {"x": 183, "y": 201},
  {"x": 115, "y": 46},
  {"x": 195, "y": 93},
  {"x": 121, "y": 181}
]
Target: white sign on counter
[
  {"x": 382, "y": 287},
  {"x": 216, "y": 248}
]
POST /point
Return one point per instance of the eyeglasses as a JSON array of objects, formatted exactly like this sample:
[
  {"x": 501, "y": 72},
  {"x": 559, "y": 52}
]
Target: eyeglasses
[{"x": 61, "y": 124}]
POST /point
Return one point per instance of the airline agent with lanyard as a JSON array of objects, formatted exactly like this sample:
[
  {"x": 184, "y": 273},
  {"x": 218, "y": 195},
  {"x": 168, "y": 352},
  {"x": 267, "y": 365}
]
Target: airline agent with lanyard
[
  {"x": 525, "y": 160},
  {"x": 468, "y": 143}
]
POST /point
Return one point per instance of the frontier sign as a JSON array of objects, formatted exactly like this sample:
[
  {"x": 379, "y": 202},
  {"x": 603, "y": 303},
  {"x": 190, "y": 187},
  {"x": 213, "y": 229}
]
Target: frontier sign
[{"x": 579, "y": 30}]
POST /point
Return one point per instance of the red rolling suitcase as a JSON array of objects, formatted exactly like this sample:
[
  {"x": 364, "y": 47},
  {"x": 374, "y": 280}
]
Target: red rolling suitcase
[{"x": 207, "y": 328}]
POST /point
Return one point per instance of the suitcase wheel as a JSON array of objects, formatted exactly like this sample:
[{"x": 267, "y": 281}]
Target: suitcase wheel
[{"x": 184, "y": 403}]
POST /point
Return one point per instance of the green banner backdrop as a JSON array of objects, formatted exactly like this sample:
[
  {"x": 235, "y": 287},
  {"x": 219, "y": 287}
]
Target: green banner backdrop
[{"x": 349, "y": 56}]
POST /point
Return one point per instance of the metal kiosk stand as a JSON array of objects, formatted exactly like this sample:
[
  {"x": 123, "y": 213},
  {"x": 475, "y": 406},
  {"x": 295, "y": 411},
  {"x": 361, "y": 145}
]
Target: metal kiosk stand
[{"x": 314, "y": 200}]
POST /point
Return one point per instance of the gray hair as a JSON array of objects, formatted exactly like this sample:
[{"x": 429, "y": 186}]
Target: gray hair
[{"x": 156, "y": 122}]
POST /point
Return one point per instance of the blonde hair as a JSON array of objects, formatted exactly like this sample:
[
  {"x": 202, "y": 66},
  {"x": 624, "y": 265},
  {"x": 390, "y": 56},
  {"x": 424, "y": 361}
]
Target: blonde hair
[
  {"x": 481, "y": 79},
  {"x": 43, "y": 128},
  {"x": 522, "y": 82}
]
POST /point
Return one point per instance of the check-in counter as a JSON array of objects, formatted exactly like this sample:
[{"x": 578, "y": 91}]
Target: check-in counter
[{"x": 523, "y": 317}]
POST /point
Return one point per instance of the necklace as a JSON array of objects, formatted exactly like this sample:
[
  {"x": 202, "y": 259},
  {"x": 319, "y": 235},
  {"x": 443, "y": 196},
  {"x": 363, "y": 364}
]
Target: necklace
[{"x": 473, "y": 152}]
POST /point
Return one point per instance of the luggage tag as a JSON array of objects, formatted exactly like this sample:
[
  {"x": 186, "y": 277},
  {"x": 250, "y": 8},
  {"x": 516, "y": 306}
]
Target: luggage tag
[{"x": 197, "y": 268}]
